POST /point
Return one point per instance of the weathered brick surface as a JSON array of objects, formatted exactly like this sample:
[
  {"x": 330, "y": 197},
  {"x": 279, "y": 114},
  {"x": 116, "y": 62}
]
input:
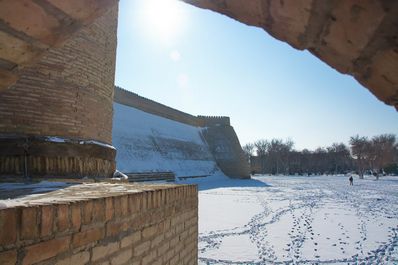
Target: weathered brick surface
[
  {"x": 8, "y": 257},
  {"x": 104, "y": 251},
  {"x": 61, "y": 165},
  {"x": 163, "y": 230},
  {"x": 130, "y": 239},
  {"x": 62, "y": 217},
  {"x": 47, "y": 220},
  {"x": 30, "y": 228},
  {"x": 76, "y": 217},
  {"x": 121, "y": 257},
  {"x": 63, "y": 94},
  {"x": 87, "y": 237},
  {"x": 45, "y": 250},
  {"x": 8, "y": 226},
  {"x": 77, "y": 259}
]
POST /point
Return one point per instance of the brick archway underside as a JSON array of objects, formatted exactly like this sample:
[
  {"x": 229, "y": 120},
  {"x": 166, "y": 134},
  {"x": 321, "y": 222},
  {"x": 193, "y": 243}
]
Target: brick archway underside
[
  {"x": 356, "y": 37},
  {"x": 29, "y": 28}
]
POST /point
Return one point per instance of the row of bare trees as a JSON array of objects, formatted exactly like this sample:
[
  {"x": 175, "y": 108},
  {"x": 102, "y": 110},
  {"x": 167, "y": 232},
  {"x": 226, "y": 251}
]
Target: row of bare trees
[{"x": 377, "y": 155}]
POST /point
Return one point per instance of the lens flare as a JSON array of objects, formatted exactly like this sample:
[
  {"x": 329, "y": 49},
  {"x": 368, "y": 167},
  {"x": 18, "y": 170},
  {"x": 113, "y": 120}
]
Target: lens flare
[{"x": 163, "y": 18}]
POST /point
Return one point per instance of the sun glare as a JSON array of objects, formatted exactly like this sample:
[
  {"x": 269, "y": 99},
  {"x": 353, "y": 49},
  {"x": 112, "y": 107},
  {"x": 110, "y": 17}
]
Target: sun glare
[{"x": 163, "y": 18}]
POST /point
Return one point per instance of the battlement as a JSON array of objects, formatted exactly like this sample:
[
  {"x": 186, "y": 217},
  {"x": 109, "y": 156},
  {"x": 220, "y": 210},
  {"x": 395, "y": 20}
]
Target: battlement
[
  {"x": 121, "y": 91},
  {"x": 128, "y": 98},
  {"x": 205, "y": 121}
]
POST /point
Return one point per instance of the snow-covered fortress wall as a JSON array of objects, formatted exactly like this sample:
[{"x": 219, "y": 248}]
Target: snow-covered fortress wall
[
  {"x": 146, "y": 142},
  {"x": 56, "y": 120},
  {"x": 150, "y": 136}
]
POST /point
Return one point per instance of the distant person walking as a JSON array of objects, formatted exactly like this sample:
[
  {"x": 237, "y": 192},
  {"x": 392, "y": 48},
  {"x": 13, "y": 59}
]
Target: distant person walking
[{"x": 351, "y": 179}]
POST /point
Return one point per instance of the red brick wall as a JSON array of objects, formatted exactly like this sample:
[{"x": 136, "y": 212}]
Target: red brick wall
[
  {"x": 69, "y": 92},
  {"x": 155, "y": 226}
]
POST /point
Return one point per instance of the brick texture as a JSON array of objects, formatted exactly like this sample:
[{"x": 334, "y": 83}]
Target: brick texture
[
  {"x": 68, "y": 93},
  {"x": 64, "y": 92},
  {"x": 158, "y": 225}
]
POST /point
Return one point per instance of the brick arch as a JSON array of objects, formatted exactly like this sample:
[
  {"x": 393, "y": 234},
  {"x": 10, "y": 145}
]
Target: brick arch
[{"x": 355, "y": 37}]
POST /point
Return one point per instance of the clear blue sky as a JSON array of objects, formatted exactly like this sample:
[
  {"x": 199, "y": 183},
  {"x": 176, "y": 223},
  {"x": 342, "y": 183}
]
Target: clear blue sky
[{"x": 205, "y": 63}]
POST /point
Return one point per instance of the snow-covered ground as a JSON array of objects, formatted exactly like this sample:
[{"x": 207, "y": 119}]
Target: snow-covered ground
[{"x": 298, "y": 220}]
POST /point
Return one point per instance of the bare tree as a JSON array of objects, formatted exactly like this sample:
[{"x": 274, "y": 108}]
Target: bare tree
[
  {"x": 261, "y": 147},
  {"x": 360, "y": 153},
  {"x": 278, "y": 153},
  {"x": 276, "y": 156},
  {"x": 339, "y": 158},
  {"x": 383, "y": 152},
  {"x": 320, "y": 162},
  {"x": 261, "y": 150},
  {"x": 248, "y": 149}
]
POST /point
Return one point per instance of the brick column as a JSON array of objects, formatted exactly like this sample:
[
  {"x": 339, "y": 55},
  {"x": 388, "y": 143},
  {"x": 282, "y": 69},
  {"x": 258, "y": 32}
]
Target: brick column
[{"x": 57, "y": 119}]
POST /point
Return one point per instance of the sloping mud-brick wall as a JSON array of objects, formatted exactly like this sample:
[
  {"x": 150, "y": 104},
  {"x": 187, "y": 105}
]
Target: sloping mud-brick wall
[{"x": 219, "y": 135}]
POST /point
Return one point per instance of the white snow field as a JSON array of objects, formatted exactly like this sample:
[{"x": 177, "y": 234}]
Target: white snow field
[
  {"x": 298, "y": 220},
  {"x": 147, "y": 142}
]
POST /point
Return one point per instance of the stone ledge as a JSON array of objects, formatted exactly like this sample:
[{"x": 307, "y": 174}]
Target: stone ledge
[
  {"x": 102, "y": 223},
  {"x": 74, "y": 192},
  {"x": 55, "y": 157}
]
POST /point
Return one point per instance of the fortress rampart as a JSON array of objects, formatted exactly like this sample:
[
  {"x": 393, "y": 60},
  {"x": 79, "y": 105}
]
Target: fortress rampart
[
  {"x": 204, "y": 121},
  {"x": 56, "y": 120},
  {"x": 227, "y": 151},
  {"x": 131, "y": 99},
  {"x": 216, "y": 130},
  {"x": 134, "y": 100}
]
